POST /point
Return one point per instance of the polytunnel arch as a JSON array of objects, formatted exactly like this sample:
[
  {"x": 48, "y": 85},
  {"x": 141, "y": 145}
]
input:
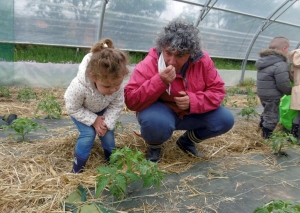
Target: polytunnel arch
[
  {"x": 206, "y": 8},
  {"x": 263, "y": 26},
  {"x": 101, "y": 19},
  {"x": 209, "y": 4}
]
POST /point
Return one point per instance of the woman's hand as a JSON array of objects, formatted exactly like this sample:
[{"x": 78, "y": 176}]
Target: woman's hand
[
  {"x": 182, "y": 102},
  {"x": 168, "y": 75},
  {"x": 100, "y": 126}
]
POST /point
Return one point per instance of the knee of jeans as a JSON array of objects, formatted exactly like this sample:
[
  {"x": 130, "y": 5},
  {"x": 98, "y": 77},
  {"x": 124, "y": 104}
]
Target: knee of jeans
[
  {"x": 153, "y": 124},
  {"x": 108, "y": 141},
  {"x": 225, "y": 126},
  {"x": 88, "y": 133},
  {"x": 156, "y": 135},
  {"x": 227, "y": 121},
  {"x": 85, "y": 142},
  {"x": 83, "y": 148},
  {"x": 155, "y": 128},
  {"x": 228, "y": 124}
]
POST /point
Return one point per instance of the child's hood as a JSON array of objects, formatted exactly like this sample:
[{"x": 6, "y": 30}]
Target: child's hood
[
  {"x": 270, "y": 57},
  {"x": 82, "y": 75}
]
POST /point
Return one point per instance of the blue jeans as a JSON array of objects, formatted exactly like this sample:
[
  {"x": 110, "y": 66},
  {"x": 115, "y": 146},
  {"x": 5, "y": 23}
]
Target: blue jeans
[
  {"x": 159, "y": 121},
  {"x": 87, "y": 136}
]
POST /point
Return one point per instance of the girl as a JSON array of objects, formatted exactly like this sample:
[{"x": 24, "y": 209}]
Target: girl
[{"x": 95, "y": 99}]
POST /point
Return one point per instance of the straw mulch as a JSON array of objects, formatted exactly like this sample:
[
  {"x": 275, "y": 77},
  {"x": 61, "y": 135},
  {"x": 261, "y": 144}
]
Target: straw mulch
[
  {"x": 35, "y": 175},
  {"x": 13, "y": 105},
  {"x": 27, "y": 109}
]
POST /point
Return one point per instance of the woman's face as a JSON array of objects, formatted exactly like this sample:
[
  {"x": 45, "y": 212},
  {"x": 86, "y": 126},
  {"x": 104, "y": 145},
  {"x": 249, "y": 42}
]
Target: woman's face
[
  {"x": 175, "y": 58},
  {"x": 108, "y": 87}
]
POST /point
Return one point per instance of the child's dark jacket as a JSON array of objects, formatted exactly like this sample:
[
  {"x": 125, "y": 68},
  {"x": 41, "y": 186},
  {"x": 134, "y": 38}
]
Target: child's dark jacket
[{"x": 273, "y": 80}]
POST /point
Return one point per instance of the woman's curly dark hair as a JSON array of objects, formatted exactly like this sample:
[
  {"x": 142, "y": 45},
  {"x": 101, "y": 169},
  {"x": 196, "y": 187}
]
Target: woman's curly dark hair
[{"x": 180, "y": 36}]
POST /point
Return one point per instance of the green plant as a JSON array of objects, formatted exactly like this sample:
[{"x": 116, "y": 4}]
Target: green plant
[
  {"x": 225, "y": 101},
  {"x": 232, "y": 90},
  {"x": 4, "y": 92},
  {"x": 26, "y": 94},
  {"x": 251, "y": 97},
  {"x": 119, "y": 125},
  {"x": 49, "y": 106},
  {"x": 127, "y": 166},
  {"x": 233, "y": 104},
  {"x": 249, "y": 110},
  {"x": 22, "y": 127},
  {"x": 279, "y": 206},
  {"x": 280, "y": 139},
  {"x": 235, "y": 90},
  {"x": 248, "y": 82}
]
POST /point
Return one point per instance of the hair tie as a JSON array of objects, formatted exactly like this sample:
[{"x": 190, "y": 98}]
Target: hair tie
[{"x": 105, "y": 45}]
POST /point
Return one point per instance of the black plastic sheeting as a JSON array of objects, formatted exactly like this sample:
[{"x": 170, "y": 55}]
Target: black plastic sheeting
[{"x": 211, "y": 188}]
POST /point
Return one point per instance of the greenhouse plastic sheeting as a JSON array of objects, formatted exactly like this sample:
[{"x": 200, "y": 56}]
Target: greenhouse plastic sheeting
[
  {"x": 7, "y": 51},
  {"x": 226, "y": 29},
  {"x": 48, "y": 75},
  {"x": 21, "y": 74},
  {"x": 7, "y": 21}
]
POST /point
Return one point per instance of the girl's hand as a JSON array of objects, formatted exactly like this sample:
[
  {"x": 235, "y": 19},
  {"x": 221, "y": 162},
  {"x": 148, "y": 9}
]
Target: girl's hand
[
  {"x": 102, "y": 132},
  {"x": 100, "y": 126}
]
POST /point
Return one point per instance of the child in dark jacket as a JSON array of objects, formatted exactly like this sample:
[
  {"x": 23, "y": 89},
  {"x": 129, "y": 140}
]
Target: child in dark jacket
[{"x": 273, "y": 81}]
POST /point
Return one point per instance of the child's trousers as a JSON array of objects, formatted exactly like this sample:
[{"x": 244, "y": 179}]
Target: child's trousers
[
  {"x": 86, "y": 140},
  {"x": 270, "y": 113}
]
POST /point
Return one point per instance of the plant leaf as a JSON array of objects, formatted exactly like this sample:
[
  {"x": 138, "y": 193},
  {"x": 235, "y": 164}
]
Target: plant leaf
[
  {"x": 101, "y": 184},
  {"x": 121, "y": 181},
  {"x": 133, "y": 176},
  {"x": 103, "y": 170}
]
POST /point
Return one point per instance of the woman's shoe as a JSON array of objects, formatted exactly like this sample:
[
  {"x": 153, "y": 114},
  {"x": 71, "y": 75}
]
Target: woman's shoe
[
  {"x": 189, "y": 148},
  {"x": 153, "y": 153}
]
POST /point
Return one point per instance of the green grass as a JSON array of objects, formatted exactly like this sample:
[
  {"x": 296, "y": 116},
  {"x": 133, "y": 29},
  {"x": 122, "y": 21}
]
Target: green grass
[
  {"x": 45, "y": 54},
  {"x": 136, "y": 57},
  {"x": 53, "y": 54},
  {"x": 233, "y": 64}
]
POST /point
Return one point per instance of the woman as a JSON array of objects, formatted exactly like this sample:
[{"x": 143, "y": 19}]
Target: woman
[{"x": 177, "y": 87}]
